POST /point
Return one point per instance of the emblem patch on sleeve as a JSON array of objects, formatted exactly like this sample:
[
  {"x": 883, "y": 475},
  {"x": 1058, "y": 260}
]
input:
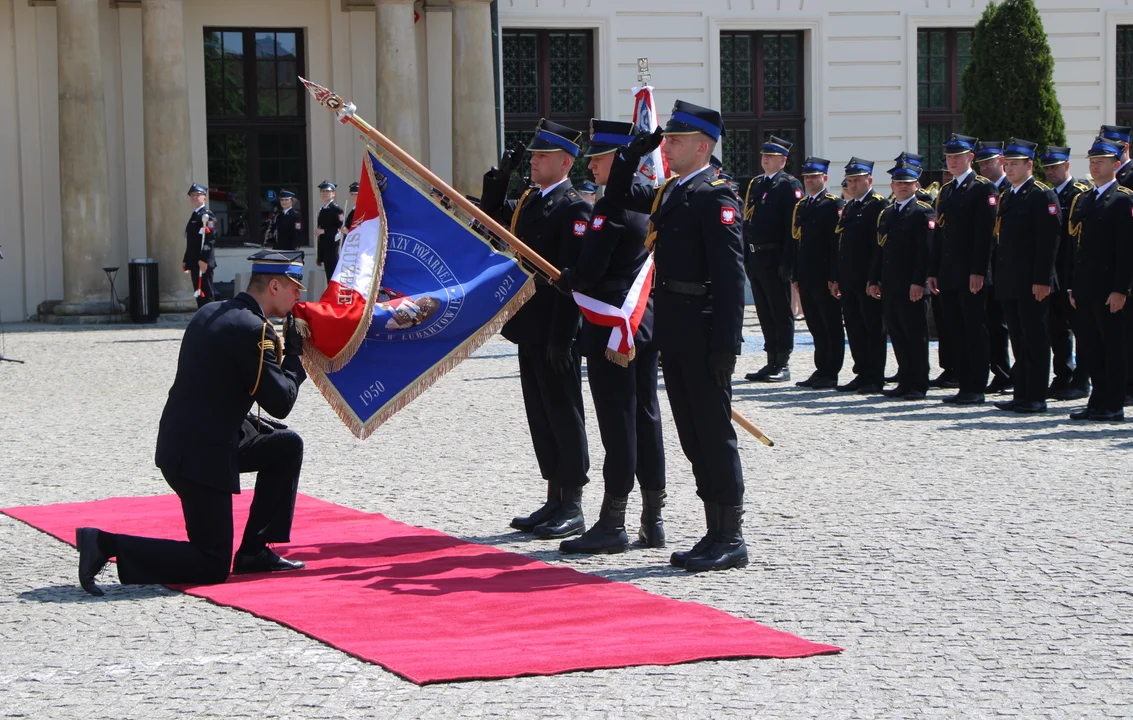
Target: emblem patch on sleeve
[
  {"x": 992, "y": 200},
  {"x": 798, "y": 194},
  {"x": 598, "y": 222},
  {"x": 727, "y": 215},
  {"x": 298, "y": 226},
  {"x": 1052, "y": 209},
  {"x": 579, "y": 227},
  {"x": 931, "y": 224}
]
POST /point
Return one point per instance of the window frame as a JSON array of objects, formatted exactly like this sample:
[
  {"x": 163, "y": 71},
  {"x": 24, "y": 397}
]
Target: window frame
[
  {"x": 950, "y": 118},
  {"x": 1123, "y": 112}
]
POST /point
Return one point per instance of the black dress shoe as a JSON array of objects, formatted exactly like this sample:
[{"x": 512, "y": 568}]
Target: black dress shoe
[
  {"x": 945, "y": 379},
  {"x": 1007, "y": 405},
  {"x": 969, "y": 398},
  {"x": 895, "y": 392},
  {"x": 1069, "y": 393},
  {"x": 759, "y": 374},
  {"x": 1083, "y": 414},
  {"x": 1117, "y": 416},
  {"x": 913, "y": 395},
  {"x": 91, "y": 559},
  {"x": 527, "y": 523},
  {"x": 869, "y": 389},
  {"x": 567, "y": 520},
  {"x": 892, "y": 378},
  {"x": 824, "y": 384},
  {"x": 263, "y": 561},
  {"x": 851, "y": 386},
  {"x": 810, "y": 381},
  {"x": 1030, "y": 408},
  {"x": 999, "y": 385},
  {"x": 778, "y": 374},
  {"x": 951, "y": 399}
]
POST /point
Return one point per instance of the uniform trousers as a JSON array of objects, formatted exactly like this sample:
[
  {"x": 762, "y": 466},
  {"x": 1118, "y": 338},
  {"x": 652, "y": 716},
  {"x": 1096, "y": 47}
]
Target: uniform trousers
[
  {"x": 555, "y": 416},
  {"x": 998, "y": 336},
  {"x": 277, "y": 457},
  {"x": 702, "y": 411},
  {"x": 865, "y": 330},
  {"x": 947, "y": 346},
  {"x": 629, "y": 421},
  {"x": 772, "y": 303},
  {"x": 1060, "y": 326},
  {"x": 1129, "y": 355},
  {"x": 966, "y": 316},
  {"x": 206, "y": 285},
  {"x": 330, "y": 266},
  {"x": 1030, "y": 342},
  {"x": 1103, "y": 341},
  {"x": 908, "y": 331},
  {"x": 823, "y": 315}
]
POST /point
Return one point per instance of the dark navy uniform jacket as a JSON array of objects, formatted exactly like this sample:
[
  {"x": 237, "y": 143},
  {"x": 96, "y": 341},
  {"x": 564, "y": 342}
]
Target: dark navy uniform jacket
[
  {"x": 194, "y": 252},
  {"x": 965, "y": 225},
  {"x": 903, "y": 239},
  {"x": 329, "y": 221},
  {"x": 230, "y": 358},
  {"x": 768, "y": 207},
  {"x": 857, "y": 239},
  {"x": 289, "y": 230},
  {"x": 699, "y": 243},
  {"x": 1102, "y": 228},
  {"x": 613, "y": 251},
  {"x": 815, "y": 238},
  {"x": 1064, "y": 262},
  {"x": 1028, "y": 228},
  {"x": 552, "y": 226}
]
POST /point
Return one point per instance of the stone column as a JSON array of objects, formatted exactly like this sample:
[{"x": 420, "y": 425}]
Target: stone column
[
  {"x": 399, "y": 115},
  {"x": 473, "y": 95},
  {"x": 84, "y": 178},
  {"x": 165, "y": 102}
]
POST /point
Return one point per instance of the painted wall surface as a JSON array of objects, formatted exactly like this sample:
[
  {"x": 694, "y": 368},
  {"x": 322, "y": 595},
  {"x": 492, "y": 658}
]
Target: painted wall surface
[{"x": 859, "y": 65}]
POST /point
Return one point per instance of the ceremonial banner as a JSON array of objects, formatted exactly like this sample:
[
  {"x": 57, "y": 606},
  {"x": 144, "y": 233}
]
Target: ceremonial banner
[
  {"x": 653, "y": 167},
  {"x": 444, "y": 291},
  {"x": 624, "y": 320}
]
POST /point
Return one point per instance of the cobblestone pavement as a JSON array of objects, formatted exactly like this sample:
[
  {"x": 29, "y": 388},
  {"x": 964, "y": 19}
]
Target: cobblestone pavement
[{"x": 972, "y": 563}]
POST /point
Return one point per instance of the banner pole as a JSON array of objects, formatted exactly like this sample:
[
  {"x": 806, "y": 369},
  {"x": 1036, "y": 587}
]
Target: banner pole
[
  {"x": 346, "y": 114},
  {"x": 739, "y": 419}
]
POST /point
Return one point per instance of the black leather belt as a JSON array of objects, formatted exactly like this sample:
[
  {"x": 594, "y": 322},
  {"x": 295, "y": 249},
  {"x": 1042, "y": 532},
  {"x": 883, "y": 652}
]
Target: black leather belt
[
  {"x": 685, "y": 288},
  {"x": 765, "y": 246}
]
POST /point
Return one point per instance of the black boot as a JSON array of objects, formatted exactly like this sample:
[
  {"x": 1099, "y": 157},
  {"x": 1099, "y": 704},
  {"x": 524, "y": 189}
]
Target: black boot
[
  {"x": 567, "y": 518},
  {"x": 608, "y": 535},
  {"x": 761, "y": 374},
  {"x": 780, "y": 372},
  {"x": 728, "y": 550},
  {"x": 652, "y": 532},
  {"x": 527, "y": 523},
  {"x": 712, "y": 520}
]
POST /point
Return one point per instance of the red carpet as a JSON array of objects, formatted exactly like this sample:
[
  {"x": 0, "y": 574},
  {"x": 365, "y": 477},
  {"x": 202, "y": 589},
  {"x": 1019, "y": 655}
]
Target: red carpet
[{"x": 433, "y": 608}]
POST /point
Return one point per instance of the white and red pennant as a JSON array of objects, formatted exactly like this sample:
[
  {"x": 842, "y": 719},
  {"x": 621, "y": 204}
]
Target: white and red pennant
[{"x": 623, "y": 320}]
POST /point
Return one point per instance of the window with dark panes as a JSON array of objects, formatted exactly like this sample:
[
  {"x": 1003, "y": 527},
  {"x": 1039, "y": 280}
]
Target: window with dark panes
[
  {"x": 761, "y": 94},
  {"x": 1125, "y": 75},
  {"x": 257, "y": 127},
  {"x": 942, "y": 56},
  {"x": 547, "y": 74}
]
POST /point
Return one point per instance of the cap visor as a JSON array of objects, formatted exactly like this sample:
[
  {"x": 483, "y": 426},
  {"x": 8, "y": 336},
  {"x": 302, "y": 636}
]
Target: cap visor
[{"x": 596, "y": 153}]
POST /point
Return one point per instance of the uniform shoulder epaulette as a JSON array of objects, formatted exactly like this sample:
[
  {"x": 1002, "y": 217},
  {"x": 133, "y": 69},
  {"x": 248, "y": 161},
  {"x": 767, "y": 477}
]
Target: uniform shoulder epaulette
[
  {"x": 876, "y": 196},
  {"x": 1041, "y": 185},
  {"x": 1080, "y": 186},
  {"x": 832, "y": 196},
  {"x": 922, "y": 203},
  {"x": 573, "y": 195},
  {"x": 1123, "y": 189},
  {"x": 759, "y": 177},
  {"x": 982, "y": 179},
  {"x": 716, "y": 182}
]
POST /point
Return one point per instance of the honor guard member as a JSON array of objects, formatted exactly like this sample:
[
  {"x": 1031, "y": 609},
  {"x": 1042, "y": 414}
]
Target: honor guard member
[
  {"x": 552, "y": 220},
  {"x": 1101, "y": 224},
  {"x": 329, "y": 223},
  {"x": 698, "y": 251},
  {"x": 960, "y": 263},
  {"x": 857, "y": 239},
  {"x": 624, "y": 392},
  {"x": 1027, "y": 229},
  {"x": 897, "y": 276},
  {"x": 200, "y": 243},
  {"x": 989, "y": 162},
  {"x": 231, "y": 357},
  {"x": 353, "y": 204},
  {"x": 588, "y": 191},
  {"x": 814, "y": 252},
  {"x": 289, "y": 225},
  {"x": 769, "y": 203},
  {"x": 1071, "y": 380},
  {"x": 1120, "y": 134}
]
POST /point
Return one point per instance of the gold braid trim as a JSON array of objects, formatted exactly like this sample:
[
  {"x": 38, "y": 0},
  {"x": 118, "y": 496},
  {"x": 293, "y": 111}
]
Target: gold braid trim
[
  {"x": 749, "y": 211},
  {"x": 518, "y": 207},
  {"x": 796, "y": 231},
  {"x": 882, "y": 239},
  {"x": 650, "y": 233},
  {"x": 263, "y": 349},
  {"x": 1075, "y": 231}
]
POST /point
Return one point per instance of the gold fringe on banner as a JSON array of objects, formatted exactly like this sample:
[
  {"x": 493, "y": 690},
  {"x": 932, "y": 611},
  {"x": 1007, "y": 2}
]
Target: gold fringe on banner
[{"x": 621, "y": 359}]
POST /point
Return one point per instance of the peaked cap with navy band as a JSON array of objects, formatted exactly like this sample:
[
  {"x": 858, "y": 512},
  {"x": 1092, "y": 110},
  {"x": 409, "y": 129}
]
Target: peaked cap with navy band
[
  {"x": 1054, "y": 156},
  {"x": 353, "y": 187},
  {"x": 815, "y": 166},
  {"x": 1104, "y": 147},
  {"x": 960, "y": 144},
  {"x": 716, "y": 162},
  {"x": 1017, "y": 149},
  {"x": 857, "y": 166},
  {"x": 195, "y": 188},
  {"x": 289, "y": 264},
  {"x": 327, "y": 185},
  {"x": 905, "y": 172},
  {"x": 284, "y": 194},
  {"x": 909, "y": 158},
  {"x": 988, "y": 150},
  {"x": 689, "y": 119},
  {"x": 1116, "y": 132},
  {"x": 609, "y": 135},
  {"x": 776, "y": 146},
  {"x": 550, "y": 136}
]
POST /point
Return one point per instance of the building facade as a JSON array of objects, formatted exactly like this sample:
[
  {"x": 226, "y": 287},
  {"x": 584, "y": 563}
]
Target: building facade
[{"x": 115, "y": 106}]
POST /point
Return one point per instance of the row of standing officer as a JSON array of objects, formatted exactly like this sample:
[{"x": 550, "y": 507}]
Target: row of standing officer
[{"x": 692, "y": 226}]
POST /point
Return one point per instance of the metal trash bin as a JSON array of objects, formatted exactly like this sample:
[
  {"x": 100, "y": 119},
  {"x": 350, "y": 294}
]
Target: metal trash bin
[{"x": 143, "y": 290}]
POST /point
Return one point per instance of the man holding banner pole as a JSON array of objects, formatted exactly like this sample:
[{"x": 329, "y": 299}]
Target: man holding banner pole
[
  {"x": 698, "y": 251},
  {"x": 612, "y": 283},
  {"x": 552, "y": 221}
]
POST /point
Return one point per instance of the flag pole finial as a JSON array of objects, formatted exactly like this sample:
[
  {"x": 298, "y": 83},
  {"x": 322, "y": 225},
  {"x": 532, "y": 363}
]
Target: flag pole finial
[
  {"x": 643, "y": 71},
  {"x": 323, "y": 96}
]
